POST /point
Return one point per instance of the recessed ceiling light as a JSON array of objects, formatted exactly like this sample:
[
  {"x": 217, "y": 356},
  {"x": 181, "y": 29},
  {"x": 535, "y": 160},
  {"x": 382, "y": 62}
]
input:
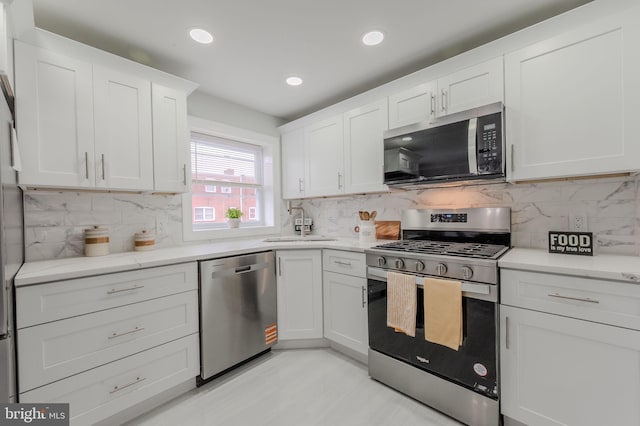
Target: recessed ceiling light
[
  {"x": 201, "y": 36},
  {"x": 373, "y": 38},
  {"x": 294, "y": 81}
]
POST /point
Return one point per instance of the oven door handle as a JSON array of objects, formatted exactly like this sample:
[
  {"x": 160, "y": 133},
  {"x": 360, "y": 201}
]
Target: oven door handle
[{"x": 485, "y": 290}]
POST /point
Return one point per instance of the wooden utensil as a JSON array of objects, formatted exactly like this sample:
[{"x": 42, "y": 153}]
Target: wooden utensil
[{"x": 373, "y": 215}]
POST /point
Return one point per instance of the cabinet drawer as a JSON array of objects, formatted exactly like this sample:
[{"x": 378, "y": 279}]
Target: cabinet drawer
[
  {"x": 59, "y": 349},
  {"x": 104, "y": 391},
  {"x": 607, "y": 302},
  {"x": 344, "y": 262},
  {"x": 63, "y": 299}
]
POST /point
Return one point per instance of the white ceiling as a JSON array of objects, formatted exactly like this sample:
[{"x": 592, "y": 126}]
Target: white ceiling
[{"x": 258, "y": 43}]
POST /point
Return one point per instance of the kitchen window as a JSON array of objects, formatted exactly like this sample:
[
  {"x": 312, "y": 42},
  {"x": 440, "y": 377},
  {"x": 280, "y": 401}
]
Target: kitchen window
[
  {"x": 204, "y": 214},
  {"x": 229, "y": 169}
]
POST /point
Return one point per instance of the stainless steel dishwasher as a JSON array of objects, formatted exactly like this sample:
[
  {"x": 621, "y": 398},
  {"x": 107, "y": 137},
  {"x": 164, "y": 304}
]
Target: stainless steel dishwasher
[{"x": 238, "y": 311}]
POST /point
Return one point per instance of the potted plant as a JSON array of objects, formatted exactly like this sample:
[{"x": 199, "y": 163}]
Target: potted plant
[{"x": 233, "y": 217}]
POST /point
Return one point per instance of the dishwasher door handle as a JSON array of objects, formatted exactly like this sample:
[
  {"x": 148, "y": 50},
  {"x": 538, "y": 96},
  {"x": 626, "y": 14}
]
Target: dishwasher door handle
[{"x": 238, "y": 270}]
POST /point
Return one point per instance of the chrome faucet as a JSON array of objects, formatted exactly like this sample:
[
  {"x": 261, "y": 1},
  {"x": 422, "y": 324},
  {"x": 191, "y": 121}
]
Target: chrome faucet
[{"x": 289, "y": 209}]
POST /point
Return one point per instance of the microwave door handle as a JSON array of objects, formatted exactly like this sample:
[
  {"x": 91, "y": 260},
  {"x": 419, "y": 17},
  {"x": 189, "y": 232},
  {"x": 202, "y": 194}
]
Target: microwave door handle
[{"x": 472, "y": 146}]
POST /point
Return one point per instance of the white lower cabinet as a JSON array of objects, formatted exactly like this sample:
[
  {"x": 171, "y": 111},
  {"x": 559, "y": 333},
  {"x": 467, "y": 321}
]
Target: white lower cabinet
[
  {"x": 345, "y": 311},
  {"x": 299, "y": 282},
  {"x": 108, "y": 342},
  {"x": 111, "y": 388},
  {"x": 345, "y": 299},
  {"x": 567, "y": 367}
]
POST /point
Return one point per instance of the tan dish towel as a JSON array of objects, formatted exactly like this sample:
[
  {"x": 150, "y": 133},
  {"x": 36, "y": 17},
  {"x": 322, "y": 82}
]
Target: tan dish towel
[
  {"x": 401, "y": 303},
  {"x": 443, "y": 312}
]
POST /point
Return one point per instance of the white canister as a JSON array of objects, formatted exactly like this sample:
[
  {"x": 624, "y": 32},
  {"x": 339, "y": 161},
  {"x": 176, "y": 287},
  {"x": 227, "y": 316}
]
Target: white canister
[
  {"x": 96, "y": 241},
  {"x": 367, "y": 231},
  {"x": 144, "y": 241}
]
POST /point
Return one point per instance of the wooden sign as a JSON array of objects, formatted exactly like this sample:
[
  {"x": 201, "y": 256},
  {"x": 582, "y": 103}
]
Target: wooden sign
[{"x": 580, "y": 243}]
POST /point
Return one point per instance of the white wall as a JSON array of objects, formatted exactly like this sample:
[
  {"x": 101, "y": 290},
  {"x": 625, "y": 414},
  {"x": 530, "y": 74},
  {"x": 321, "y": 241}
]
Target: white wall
[{"x": 209, "y": 107}]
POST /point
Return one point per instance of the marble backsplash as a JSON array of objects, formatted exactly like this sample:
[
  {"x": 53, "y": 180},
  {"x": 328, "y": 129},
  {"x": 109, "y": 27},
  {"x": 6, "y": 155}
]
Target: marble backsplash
[{"x": 55, "y": 220}]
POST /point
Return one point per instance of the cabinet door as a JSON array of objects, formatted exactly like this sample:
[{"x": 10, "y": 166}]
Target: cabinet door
[
  {"x": 363, "y": 148},
  {"x": 54, "y": 111},
  {"x": 324, "y": 162},
  {"x": 345, "y": 310},
  {"x": 299, "y": 284},
  {"x": 558, "y": 370},
  {"x": 170, "y": 140},
  {"x": 123, "y": 144},
  {"x": 413, "y": 105},
  {"x": 572, "y": 102},
  {"x": 293, "y": 164},
  {"x": 471, "y": 87}
]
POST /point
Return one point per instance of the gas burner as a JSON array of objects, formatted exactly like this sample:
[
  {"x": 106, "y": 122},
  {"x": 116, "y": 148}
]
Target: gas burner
[{"x": 446, "y": 248}]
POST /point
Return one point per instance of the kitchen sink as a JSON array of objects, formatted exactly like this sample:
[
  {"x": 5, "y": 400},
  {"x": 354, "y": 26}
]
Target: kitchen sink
[{"x": 294, "y": 238}]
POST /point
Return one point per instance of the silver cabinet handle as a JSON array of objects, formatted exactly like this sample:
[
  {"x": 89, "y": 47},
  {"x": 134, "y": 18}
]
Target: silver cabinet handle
[
  {"x": 86, "y": 164},
  {"x": 364, "y": 296},
  {"x": 506, "y": 332},
  {"x": 432, "y": 105},
  {"x": 135, "y": 330},
  {"x": 135, "y": 287},
  {"x": 300, "y": 187},
  {"x": 102, "y": 166},
  {"x": 512, "y": 158},
  {"x": 279, "y": 266},
  {"x": 339, "y": 180},
  {"x": 339, "y": 262},
  {"x": 444, "y": 100},
  {"x": 184, "y": 174},
  {"x": 119, "y": 388},
  {"x": 579, "y": 299}
]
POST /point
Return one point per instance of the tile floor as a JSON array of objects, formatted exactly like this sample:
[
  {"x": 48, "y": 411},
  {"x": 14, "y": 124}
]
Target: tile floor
[{"x": 295, "y": 388}]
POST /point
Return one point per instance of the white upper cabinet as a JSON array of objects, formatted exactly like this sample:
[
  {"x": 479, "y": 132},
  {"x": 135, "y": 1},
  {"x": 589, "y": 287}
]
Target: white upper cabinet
[
  {"x": 471, "y": 87},
  {"x": 170, "y": 139},
  {"x": 324, "y": 158},
  {"x": 363, "y": 148},
  {"x": 54, "y": 112},
  {"x": 293, "y": 166},
  {"x": 339, "y": 155},
  {"x": 468, "y": 88},
  {"x": 82, "y": 124},
  {"x": 413, "y": 105},
  {"x": 572, "y": 102},
  {"x": 123, "y": 138}
]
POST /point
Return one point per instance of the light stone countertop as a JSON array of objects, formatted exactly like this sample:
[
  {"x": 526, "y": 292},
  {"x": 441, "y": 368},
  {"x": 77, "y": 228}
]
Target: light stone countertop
[
  {"x": 76, "y": 267},
  {"x": 603, "y": 266}
]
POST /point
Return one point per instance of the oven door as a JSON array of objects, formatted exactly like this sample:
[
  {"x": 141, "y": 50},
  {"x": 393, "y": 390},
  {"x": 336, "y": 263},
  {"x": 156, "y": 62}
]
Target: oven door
[{"x": 473, "y": 365}]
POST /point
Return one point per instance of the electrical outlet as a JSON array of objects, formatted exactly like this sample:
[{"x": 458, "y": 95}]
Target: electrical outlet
[
  {"x": 578, "y": 222},
  {"x": 161, "y": 227}
]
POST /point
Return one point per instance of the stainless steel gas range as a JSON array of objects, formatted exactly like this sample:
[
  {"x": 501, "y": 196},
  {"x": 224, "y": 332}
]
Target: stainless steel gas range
[{"x": 459, "y": 245}]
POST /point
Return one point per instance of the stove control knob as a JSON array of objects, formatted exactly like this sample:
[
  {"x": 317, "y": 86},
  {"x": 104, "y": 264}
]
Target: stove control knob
[
  {"x": 419, "y": 266},
  {"x": 467, "y": 272},
  {"x": 399, "y": 263},
  {"x": 382, "y": 261},
  {"x": 441, "y": 268}
]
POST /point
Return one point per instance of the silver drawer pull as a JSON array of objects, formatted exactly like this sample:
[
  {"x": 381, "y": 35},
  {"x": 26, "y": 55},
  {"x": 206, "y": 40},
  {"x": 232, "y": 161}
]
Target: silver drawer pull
[
  {"x": 119, "y": 388},
  {"x": 342, "y": 263},
  {"x": 135, "y": 287},
  {"x": 135, "y": 330},
  {"x": 579, "y": 299}
]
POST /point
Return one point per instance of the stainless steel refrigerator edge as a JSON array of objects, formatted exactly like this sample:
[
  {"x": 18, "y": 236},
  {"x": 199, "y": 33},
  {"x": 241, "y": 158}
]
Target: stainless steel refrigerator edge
[
  {"x": 238, "y": 310},
  {"x": 11, "y": 253}
]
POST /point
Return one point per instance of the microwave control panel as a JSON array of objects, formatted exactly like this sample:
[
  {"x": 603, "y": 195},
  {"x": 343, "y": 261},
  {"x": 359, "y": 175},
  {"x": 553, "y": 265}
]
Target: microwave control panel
[{"x": 489, "y": 144}]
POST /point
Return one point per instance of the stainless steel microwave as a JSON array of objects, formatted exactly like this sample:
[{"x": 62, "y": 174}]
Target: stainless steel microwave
[{"x": 460, "y": 147}]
